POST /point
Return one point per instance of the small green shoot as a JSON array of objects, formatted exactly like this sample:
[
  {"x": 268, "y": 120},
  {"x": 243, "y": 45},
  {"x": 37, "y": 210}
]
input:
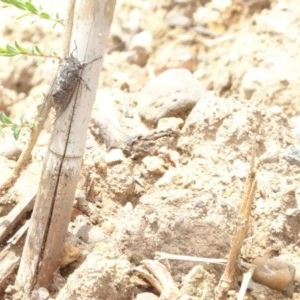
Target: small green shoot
[
  {"x": 5, "y": 121},
  {"x": 33, "y": 10},
  {"x": 17, "y": 49}
]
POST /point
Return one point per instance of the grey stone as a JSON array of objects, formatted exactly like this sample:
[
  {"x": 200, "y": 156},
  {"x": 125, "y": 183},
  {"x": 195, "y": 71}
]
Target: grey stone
[
  {"x": 175, "y": 18},
  {"x": 254, "y": 79},
  {"x": 146, "y": 296},
  {"x": 172, "y": 93},
  {"x": 90, "y": 234}
]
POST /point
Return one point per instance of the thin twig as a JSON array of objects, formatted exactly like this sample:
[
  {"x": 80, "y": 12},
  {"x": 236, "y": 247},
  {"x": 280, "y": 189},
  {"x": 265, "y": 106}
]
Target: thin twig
[
  {"x": 246, "y": 279},
  {"x": 163, "y": 255},
  {"x": 14, "y": 217},
  {"x": 241, "y": 231}
]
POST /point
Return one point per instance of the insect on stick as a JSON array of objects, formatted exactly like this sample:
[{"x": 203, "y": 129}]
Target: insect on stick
[{"x": 66, "y": 82}]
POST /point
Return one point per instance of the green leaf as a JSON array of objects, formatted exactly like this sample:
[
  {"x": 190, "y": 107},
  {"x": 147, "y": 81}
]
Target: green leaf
[
  {"x": 10, "y": 50},
  {"x": 5, "y": 119},
  {"x": 15, "y": 3},
  {"x": 21, "y": 49},
  {"x": 37, "y": 50},
  {"x": 44, "y": 15},
  {"x": 30, "y": 7},
  {"x": 23, "y": 16},
  {"x": 16, "y": 130}
]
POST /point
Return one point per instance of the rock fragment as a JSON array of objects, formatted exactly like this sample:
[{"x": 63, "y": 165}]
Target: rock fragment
[
  {"x": 275, "y": 273},
  {"x": 172, "y": 93},
  {"x": 154, "y": 164},
  {"x": 146, "y": 296},
  {"x": 99, "y": 277},
  {"x": 254, "y": 79},
  {"x": 90, "y": 234},
  {"x": 170, "y": 124}
]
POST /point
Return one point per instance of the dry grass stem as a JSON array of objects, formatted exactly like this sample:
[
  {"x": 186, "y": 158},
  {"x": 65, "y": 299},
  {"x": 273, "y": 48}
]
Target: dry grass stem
[
  {"x": 163, "y": 255},
  {"x": 240, "y": 233},
  {"x": 246, "y": 279}
]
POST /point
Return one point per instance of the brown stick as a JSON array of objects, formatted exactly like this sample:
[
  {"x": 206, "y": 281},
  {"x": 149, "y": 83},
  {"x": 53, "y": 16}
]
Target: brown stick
[{"x": 240, "y": 234}]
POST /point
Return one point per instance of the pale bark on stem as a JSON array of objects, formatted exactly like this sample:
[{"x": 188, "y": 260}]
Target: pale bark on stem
[
  {"x": 49, "y": 222},
  {"x": 68, "y": 26}
]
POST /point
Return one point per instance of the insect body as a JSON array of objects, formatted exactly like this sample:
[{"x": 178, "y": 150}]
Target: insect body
[{"x": 66, "y": 82}]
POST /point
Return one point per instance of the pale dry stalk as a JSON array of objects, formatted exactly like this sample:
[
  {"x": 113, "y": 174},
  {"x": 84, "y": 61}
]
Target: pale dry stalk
[
  {"x": 240, "y": 233},
  {"x": 51, "y": 214}
]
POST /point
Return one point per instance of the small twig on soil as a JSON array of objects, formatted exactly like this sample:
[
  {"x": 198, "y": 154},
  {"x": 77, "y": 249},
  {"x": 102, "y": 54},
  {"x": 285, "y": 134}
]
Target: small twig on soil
[
  {"x": 203, "y": 30},
  {"x": 246, "y": 279},
  {"x": 15, "y": 216},
  {"x": 163, "y": 255},
  {"x": 209, "y": 43},
  {"x": 241, "y": 231},
  {"x": 10, "y": 258}
]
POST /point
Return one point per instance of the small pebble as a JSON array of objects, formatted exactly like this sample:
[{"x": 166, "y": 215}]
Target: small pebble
[
  {"x": 154, "y": 164},
  {"x": 142, "y": 39},
  {"x": 114, "y": 156},
  {"x": 172, "y": 93},
  {"x": 173, "y": 123},
  {"x": 292, "y": 155},
  {"x": 90, "y": 234},
  {"x": 138, "y": 56},
  {"x": 10, "y": 150},
  {"x": 254, "y": 79},
  {"x": 40, "y": 294},
  {"x": 294, "y": 124},
  {"x": 146, "y": 296},
  {"x": 174, "y": 18},
  {"x": 70, "y": 254},
  {"x": 275, "y": 273},
  {"x": 108, "y": 227}
]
